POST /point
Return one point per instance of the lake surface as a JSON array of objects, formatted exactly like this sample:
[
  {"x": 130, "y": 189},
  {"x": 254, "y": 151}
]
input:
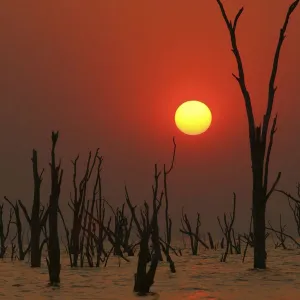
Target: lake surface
[{"x": 197, "y": 277}]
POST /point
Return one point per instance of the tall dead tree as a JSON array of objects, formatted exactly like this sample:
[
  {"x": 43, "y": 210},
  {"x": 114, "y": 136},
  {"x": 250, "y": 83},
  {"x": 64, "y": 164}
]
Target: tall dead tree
[
  {"x": 90, "y": 232},
  {"x": 166, "y": 244},
  {"x": 260, "y": 141},
  {"x": 53, "y": 260},
  {"x": 38, "y": 218}
]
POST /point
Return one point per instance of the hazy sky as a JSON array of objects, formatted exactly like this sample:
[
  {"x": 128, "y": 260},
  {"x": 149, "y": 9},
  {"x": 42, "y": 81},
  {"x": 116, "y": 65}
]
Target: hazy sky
[{"x": 111, "y": 74}]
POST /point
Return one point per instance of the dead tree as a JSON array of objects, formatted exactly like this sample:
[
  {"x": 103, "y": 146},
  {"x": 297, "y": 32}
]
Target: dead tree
[
  {"x": 53, "y": 260},
  {"x": 13, "y": 248},
  {"x": 84, "y": 234},
  {"x": 115, "y": 239},
  {"x": 115, "y": 236},
  {"x": 155, "y": 238},
  {"x": 39, "y": 215},
  {"x": 99, "y": 235},
  {"x": 68, "y": 246},
  {"x": 77, "y": 204},
  {"x": 119, "y": 237},
  {"x": 143, "y": 278},
  {"x": 285, "y": 234},
  {"x": 90, "y": 232},
  {"x": 166, "y": 244},
  {"x": 193, "y": 235},
  {"x": 4, "y": 231},
  {"x": 125, "y": 231},
  {"x": 260, "y": 144},
  {"x": 227, "y": 230},
  {"x": 100, "y": 215},
  {"x": 236, "y": 242},
  {"x": 147, "y": 230},
  {"x": 20, "y": 233},
  {"x": 295, "y": 208},
  {"x": 294, "y": 205},
  {"x": 279, "y": 234},
  {"x": 211, "y": 241},
  {"x": 247, "y": 239},
  {"x": 99, "y": 239}
]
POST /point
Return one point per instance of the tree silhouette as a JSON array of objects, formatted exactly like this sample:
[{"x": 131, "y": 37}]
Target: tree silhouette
[{"x": 260, "y": 141}]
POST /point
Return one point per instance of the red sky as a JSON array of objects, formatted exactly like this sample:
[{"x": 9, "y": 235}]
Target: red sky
[{"x": 111, "y": 74}]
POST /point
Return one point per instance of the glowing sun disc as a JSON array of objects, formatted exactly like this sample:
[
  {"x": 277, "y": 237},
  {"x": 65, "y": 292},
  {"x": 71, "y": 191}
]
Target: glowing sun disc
[{"x": 193, "y": 117}]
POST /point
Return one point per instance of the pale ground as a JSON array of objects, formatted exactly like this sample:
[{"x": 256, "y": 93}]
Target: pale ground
[{"x": 200, "y": 277}]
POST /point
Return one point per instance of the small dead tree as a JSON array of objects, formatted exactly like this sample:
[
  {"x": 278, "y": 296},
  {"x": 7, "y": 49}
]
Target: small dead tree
[
  {"x": 294, "y": 205},
  {"x": 120, "y": 236},
  {"x": 211, "y": 241},
  {"x": 53, "y": 260},
  {"x": 38, "y": 218},
  {"x": 193, "y": 235},
  {"x": 143, "y": 278},
  {"x": 4, "y": 231},
  {"x": 260, "y": 144},
  {"x": 147, "y": 230},
  {"x": 125, "y": 231},
  {"x": 67, "y": 246},
  {"x": 297, "y": 244},
  {"x": 13, "y": 248},
  {"x": 247, "y": 239},
  {"x": 115, "y": 238},
  {"x": 279, "y": 234},
  {"x": 227, "y": 230},
  {"x": 20, "y": 232},
  {"x": 295, "y": 208}
]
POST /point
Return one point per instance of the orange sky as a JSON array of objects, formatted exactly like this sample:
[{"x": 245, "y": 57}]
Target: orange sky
[{"x": 111, "y": 74}]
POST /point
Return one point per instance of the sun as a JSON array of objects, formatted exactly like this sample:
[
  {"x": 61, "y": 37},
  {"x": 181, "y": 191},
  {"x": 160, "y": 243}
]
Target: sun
[{"x": 193, "y": 117}]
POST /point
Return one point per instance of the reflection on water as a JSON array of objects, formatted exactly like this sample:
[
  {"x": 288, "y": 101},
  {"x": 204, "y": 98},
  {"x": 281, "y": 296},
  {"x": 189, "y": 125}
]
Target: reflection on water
[
  {"x": 200, "y": 295},
  {"x": 200, "y": 277}
]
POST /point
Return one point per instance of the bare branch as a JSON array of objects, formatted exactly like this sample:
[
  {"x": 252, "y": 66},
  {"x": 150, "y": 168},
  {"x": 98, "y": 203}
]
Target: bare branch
[
  {"x": 241, "y": 79},
  {"x": 267, "y": 162},
  {"x": 288, "y": 195},
  {"x": 272, "y": 88}
]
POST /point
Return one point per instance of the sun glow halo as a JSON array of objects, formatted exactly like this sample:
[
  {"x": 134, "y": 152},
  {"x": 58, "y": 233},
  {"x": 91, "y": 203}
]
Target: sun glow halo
[{"x": 193, "y": 117}]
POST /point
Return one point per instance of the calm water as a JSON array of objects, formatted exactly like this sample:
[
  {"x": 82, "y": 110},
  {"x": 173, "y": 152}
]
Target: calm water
[{"x": 201, "y": 277}]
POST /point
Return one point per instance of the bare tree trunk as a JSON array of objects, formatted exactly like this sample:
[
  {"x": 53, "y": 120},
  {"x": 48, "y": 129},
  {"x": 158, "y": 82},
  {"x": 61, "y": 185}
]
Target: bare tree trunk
[
  {"x": 53, "y": 260},
  {"x": 168, "y": 221},
  {"x": 38, "y": 218},
  {"x": 36, "y": 223}
]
